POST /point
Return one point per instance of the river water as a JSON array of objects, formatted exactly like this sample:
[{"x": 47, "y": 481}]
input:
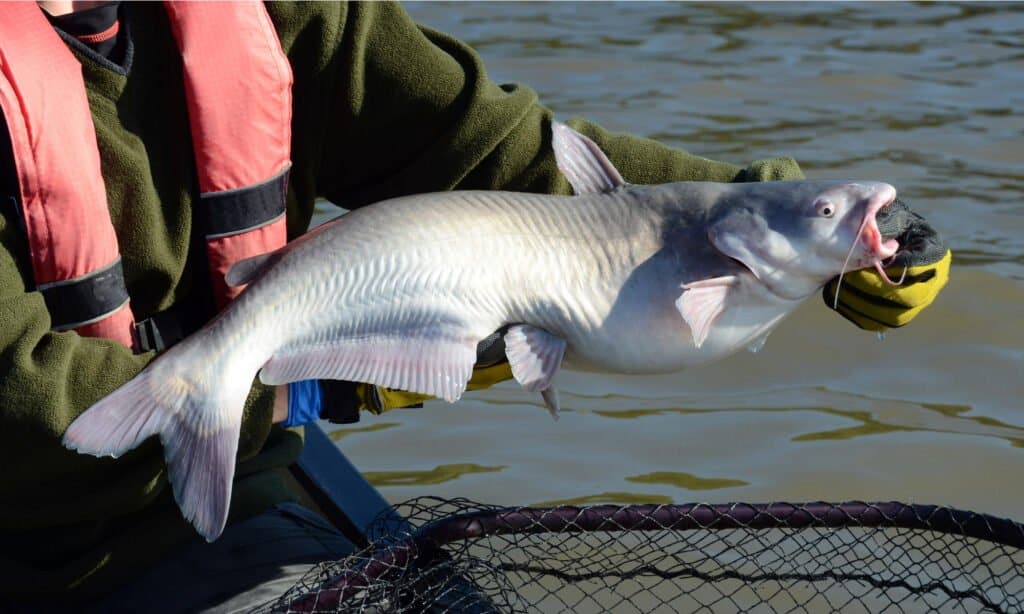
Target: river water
[{"x": 928, "y": 97}]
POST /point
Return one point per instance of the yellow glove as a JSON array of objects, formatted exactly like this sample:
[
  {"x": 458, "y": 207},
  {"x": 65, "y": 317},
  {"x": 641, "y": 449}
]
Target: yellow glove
[{"x": 872, "y": 304}]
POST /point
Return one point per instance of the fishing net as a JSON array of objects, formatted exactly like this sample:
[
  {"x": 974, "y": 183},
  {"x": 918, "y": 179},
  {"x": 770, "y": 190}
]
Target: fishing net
[{"x": 437, "y": 555}]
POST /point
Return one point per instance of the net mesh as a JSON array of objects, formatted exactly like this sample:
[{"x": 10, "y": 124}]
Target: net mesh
[{"x": 437, "y": 555}]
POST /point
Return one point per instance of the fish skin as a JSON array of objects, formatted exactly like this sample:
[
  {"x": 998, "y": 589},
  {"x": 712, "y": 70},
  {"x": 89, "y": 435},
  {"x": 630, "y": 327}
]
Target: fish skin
[{"x": 400, "y": 293}]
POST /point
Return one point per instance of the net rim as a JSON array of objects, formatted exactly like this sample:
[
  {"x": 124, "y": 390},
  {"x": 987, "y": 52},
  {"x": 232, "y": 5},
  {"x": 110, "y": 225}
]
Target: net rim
[{"x": 497, "y": 520}]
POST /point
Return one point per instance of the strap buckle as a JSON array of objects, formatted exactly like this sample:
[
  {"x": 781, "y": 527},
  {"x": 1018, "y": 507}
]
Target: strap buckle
[{"x": 148, "y": 337}]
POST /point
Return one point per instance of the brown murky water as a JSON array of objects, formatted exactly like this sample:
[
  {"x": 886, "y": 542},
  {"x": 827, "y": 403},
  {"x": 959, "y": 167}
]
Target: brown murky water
[{"x": 926, "y": 97}]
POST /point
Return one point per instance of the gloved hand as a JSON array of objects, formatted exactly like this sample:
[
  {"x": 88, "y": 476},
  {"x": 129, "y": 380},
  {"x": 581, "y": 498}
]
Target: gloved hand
[{"x": 872, "y": 304}]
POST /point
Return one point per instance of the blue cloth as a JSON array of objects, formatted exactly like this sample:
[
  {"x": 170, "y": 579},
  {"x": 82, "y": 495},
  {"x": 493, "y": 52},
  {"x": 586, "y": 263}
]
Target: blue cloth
[{"x": 304, "y": 402}]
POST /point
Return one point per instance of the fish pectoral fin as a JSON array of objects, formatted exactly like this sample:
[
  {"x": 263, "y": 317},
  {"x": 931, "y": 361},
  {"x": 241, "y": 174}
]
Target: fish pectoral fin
[
  {"x": 702, "y": 302},
  {"x": 582, "y": 162},
  {"x": 439, "y": 366},
  {"x": 535, "y": 356}
]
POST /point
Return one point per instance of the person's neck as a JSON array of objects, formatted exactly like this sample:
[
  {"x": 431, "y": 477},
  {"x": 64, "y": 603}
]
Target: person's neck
[{"x": 63, "y": 7}]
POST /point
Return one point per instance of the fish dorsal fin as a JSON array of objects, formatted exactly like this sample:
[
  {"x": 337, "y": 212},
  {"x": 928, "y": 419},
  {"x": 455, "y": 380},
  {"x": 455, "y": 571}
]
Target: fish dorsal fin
[
  {"x": 701, "y": 304},
  {"x": 244, "y": 271},
  {"x": 582, "y": 162},
  {"x": 535, "y": 356}
]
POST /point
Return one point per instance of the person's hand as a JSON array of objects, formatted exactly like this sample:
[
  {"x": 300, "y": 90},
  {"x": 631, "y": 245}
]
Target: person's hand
[
  {"x": 923, "y": 260},
  {"x": 280, "y": 404}
]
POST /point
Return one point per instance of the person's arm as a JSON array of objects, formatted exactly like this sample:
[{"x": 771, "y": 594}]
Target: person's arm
[{"x": 412, "y": 110}]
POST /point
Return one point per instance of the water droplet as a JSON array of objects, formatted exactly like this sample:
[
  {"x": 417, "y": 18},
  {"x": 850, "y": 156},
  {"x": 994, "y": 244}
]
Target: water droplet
[{"x": 881, "y": 335}]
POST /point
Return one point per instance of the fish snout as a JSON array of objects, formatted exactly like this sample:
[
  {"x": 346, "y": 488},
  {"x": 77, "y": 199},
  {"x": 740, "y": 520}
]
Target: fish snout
[{"x": 875, "y": 248}]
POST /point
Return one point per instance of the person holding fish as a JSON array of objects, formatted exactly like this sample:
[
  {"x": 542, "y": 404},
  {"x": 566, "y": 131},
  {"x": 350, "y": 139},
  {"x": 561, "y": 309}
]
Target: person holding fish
[{"x": 154, "y": 153}]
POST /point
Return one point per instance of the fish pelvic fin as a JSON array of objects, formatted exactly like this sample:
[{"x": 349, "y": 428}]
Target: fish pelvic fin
[
  {"x": 701, "y": 304},
  {"x": 582, "y": 162},
  {"x": 550, "y": 396},
  {"x": 198, "y": 423},
  {"x": 535, "y": 356}
]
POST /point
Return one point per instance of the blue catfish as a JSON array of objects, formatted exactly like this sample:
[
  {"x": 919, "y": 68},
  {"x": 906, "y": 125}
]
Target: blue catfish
[{"x": 619, "y": 278}]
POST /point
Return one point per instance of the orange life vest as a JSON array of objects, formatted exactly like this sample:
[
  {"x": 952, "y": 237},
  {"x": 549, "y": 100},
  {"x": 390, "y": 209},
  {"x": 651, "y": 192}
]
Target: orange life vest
[{"x": 238, "y": 88}]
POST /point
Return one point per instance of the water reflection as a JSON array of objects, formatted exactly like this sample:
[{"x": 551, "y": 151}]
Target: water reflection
[
  {"x": 685, "y": 480},
  {"x": 437, "y": 475},
  {"x": 868, "y": 423},
  {"x": 337, "y": 434},
  {"x": 621, "y": 498}
]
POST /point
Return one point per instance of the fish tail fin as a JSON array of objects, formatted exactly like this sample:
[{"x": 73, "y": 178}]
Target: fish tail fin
[{"x": 198, "y": 419}]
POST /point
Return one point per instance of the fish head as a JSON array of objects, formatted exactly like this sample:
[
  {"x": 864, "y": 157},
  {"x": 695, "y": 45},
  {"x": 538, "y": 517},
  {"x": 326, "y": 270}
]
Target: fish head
[{"x": 794, "y": 236}]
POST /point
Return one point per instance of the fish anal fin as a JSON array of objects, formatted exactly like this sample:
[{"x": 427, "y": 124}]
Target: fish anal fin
[
  {"x": 582, "y": 162},
  {"x": 701, "y": 304},
  {"x": 435, "y": 366}
]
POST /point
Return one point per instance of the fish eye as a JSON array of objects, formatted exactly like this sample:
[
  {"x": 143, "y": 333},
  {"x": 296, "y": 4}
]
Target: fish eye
[{"x": 825, "y": 208}]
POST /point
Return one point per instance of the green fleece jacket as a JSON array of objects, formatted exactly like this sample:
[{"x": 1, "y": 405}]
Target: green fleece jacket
[{"x": 381, "y": 108}]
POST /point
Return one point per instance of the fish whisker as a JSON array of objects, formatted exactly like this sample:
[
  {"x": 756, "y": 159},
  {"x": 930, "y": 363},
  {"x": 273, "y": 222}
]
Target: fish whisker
[
  {"x": 885, "y": 276},
  {"x": 846, "y": 263}
]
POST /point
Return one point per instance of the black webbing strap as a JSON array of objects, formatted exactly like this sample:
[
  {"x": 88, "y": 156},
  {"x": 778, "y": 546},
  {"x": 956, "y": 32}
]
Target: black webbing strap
[
  {"x": 80, "y": 301},
  {"x": 232, "y": 212},
  {"x": 164, "y": 329}
]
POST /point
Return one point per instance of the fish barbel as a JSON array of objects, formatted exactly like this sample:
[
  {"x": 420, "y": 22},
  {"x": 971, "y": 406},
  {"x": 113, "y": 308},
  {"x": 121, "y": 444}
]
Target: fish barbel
[{"x": 618, "y": 278}]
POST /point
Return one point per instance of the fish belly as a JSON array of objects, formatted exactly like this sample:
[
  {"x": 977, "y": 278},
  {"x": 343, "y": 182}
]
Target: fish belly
[{"x": 644, "y": 331}]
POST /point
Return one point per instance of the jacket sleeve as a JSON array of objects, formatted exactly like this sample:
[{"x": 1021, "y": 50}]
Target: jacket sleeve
[{"x": 412, "y": 110}]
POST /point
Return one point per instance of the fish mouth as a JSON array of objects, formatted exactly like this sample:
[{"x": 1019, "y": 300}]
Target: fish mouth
[
  {"x": 876, "y": 250},
  {"x": 745, "y": 267}
]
